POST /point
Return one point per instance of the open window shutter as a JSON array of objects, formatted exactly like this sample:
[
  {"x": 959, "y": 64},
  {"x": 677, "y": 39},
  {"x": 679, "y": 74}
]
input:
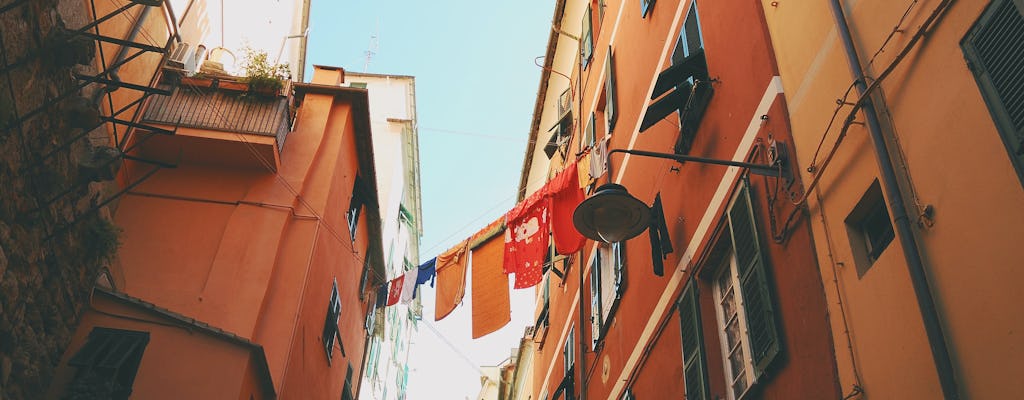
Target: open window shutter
[
  {"x": 661, "y": 244},
  {"x": 595, "y": 301},
  {"x": 619, "y": 264},
  {"x": 609, "y": 279},
  {"x": 587, "y": 45},
  {"x": 993, "y": 49},
  {"x": 611, "y": 108},
  {"x": 694, "y": 364},
  {"x": 757, "y": 297}
]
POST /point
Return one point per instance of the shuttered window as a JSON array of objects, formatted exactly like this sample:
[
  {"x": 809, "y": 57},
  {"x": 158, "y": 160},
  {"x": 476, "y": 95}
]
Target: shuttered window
[
  {"x": 993, "y": 48},
  {"x": 331, "y": 323},
  {"x": 607, "y": 284},
  {"x": 587, "y": 39},
  {"x": 107, "y": 363},
  {"x": 752, "y": 272},
  {"x": 694, "y": 363},
  {"x": 744, "y": 307},
  {"x": 611, "y": 108}
]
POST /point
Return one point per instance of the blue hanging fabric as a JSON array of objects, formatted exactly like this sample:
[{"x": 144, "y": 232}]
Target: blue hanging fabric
[{"x": 427, "y": 271}]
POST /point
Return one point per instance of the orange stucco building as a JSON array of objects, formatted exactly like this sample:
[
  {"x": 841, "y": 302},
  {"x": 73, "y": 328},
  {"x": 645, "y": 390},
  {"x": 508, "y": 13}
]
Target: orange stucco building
[
  {"x": 251, "y": 241},
  {"x": 250, "y": 231},
  {"x": 718, "y": 306},
  {"x": 923, "y": 297}
]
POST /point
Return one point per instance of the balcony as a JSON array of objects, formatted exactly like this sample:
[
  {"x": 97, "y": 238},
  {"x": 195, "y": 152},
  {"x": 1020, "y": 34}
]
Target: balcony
[{"x": 216, "y": 122}]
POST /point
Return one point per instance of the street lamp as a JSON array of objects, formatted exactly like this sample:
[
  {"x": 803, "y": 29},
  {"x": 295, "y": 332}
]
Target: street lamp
[{"x": 613, "y": 215}]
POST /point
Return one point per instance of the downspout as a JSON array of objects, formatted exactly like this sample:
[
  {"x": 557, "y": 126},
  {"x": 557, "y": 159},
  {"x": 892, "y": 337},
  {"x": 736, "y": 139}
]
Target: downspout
[
  {"x": 582, "y": 328},
  {"x": 122, "y": 52},
  {"x": 904, "y": 231}
]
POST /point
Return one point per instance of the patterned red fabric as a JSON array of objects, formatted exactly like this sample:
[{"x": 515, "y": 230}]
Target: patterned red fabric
[
  {"x": 566, "y": 194},
  {"x": 526, "y": 240},
  {"x": 396, "y": 290}
]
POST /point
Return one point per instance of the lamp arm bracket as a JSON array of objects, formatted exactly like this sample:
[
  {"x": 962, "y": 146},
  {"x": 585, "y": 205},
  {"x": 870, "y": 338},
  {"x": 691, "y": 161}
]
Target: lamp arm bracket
[{"x": 778, "y": 171}]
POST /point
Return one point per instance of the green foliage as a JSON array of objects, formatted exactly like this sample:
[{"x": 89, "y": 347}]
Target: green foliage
[
  {"x": 260, "y": 73},
  {"x": 100, "y": 239}
]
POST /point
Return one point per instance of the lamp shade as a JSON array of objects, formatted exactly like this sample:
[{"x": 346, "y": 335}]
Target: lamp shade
[{"x": 611, "y": 215}]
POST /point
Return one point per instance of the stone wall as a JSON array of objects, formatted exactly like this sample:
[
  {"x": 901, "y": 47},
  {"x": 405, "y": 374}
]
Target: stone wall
[{"x": 54, "y": 236}]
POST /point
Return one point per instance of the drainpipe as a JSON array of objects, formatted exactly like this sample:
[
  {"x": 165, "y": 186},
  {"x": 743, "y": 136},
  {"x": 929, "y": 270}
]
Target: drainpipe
[
  {"x": 904, "y": 231},
  {"x": 122, "y": 52}
]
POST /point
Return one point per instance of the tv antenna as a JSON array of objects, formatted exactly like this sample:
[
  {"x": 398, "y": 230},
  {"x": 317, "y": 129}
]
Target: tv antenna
[{"x": 371, "y": 50}]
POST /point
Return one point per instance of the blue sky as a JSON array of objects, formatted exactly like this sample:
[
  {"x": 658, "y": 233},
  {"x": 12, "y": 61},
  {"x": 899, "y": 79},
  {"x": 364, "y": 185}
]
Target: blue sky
[{"x": 476, "y": 83}]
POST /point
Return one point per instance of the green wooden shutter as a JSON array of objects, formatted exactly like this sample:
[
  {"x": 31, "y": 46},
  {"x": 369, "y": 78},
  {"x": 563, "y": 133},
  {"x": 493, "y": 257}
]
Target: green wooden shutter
[
  {"x": 993, "y": 49},
  {"x": 611, "y": 111},
  {"x": 694, "y": 363},
  {"x": 595, "y": 300},
  {"x": 587, "y": 45},
  {"x": 762, "y": 331}
]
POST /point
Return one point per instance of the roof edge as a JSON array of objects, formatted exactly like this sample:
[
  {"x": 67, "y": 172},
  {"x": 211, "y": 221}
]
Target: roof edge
[
  {"x": 538, "y": 106},
  {"x": 255, "y": 348}
]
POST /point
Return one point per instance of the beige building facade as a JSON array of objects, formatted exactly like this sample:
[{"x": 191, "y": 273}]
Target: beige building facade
[{"x": 915, "y": 210}]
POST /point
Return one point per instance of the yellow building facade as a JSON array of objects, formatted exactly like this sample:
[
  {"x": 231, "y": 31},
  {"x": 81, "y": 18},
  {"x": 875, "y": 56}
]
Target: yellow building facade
[{"x": 914, "y": 190}]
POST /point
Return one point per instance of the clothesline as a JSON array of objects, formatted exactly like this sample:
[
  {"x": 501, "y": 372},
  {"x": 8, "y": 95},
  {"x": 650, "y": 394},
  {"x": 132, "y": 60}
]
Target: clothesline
[{"x": 515, "y": 244}]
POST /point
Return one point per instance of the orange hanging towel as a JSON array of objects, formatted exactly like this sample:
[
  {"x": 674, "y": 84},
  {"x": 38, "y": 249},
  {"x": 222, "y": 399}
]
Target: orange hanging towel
[
  {"x": 451, "y": 280},
  {"x": 491, "y": 309}
]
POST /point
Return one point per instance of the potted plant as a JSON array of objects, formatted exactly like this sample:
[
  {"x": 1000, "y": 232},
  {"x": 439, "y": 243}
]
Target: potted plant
[{"x": 262, "y": 76}]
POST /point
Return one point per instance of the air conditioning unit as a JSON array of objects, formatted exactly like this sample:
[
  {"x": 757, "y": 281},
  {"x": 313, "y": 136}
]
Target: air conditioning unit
[{"x": 183, "y": 57}]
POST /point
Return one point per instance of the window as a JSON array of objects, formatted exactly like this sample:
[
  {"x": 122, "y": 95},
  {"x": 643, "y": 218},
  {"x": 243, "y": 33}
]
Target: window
[
  {"x": 645, "y": 7},
  {"x": 331, "y": 323},
  {"x": 992, "y": 48},
  {"x": 567, "y": 387},
  {"x": 869, "y": 228},
  {"x": 731, "y": 322},
  {"x": 107, "y": 363},
  {"x": 587, "y": 39},
  {"x": 744, "y": 307},
  {"x": 589, "y": 138},
  {"x": 364, "y": 279},
  {"x": 610, "y": 106},
  {"x": 607, "y": 283},
  {"x": 562, "y": 131},
  {"x": 543, "y": 319},
  {"x": 683, "y": 88},
  {"x": 628, "y": 395},
  {"x": 360, "y": 85},
  {"x": 355, "y": 206},
  {"x": 346, "y": 392},
  {"x": 694, "y": 364},
  {"x": 697, "y": 88},
  {"x": 569, "y": 351}
]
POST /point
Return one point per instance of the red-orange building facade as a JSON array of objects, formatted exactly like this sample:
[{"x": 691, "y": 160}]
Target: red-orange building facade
[
  {"x": 251, "y": 241},
  {"x": 740, "y": 310}
]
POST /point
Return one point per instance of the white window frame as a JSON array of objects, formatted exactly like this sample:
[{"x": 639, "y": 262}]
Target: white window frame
[
  {"x": 730, "y": 268},
  {"x": 608, "y": 268}
]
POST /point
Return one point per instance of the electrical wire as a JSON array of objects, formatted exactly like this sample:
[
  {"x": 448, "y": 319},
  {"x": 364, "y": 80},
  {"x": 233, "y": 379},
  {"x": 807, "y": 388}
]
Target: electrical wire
[
  {"x": 461, "y": 354},
  {"x": 896, "y": 29},
  {"x": 861, "y": 101},
  {"x": 469, "y": 224},
  {"x": 473, "y": 134}
]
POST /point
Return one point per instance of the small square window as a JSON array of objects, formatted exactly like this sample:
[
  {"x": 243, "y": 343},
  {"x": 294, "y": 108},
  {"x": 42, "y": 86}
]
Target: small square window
[
  {"x": 359, "y": 85},
  {"x": 869, "y": 228}
]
